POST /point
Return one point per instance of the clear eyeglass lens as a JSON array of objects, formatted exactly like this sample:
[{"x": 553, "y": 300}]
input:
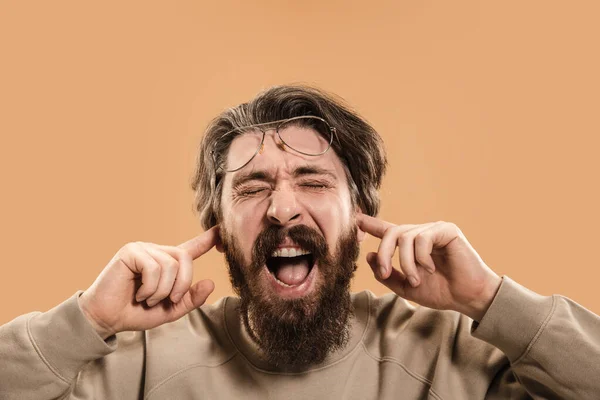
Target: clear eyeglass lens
[
  {"x": 309, "y": 136},
  {"x": 245, "y": 145}
]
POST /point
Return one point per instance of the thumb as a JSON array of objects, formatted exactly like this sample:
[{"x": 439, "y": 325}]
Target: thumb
[
  {"x": 194, "y": 297},
  {"x": 200, "y": 291}
]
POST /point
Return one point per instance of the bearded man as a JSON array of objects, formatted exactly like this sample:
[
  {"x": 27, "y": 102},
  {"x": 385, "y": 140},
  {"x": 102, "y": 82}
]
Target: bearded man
[{"x": 286, "y": 187}]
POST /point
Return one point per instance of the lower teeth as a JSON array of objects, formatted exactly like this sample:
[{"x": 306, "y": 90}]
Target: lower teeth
[{"x": 283, "y": 283}]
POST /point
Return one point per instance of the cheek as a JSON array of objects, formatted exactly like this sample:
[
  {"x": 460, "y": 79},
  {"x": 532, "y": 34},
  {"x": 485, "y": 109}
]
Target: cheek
[
  {"x": 243, "y": 220},
  {"x": 332, "y": 215},
  {"x": 246, "y": 215}
]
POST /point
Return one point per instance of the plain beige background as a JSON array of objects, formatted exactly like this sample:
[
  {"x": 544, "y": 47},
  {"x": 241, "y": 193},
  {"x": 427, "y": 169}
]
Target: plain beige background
[{"x": 489, "y": 111}]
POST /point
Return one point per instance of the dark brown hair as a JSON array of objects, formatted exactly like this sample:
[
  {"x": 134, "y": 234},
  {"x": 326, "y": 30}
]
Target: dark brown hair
[{"x": 358, "y": 145}]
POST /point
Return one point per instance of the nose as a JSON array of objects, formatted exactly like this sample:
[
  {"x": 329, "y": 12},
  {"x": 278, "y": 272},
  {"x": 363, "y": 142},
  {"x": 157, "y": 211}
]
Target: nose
[{"x": 284, "y": 208}]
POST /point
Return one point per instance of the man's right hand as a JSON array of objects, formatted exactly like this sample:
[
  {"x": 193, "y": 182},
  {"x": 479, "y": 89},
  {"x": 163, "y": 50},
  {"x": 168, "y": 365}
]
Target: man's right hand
[{"x": 146, "y": 285}]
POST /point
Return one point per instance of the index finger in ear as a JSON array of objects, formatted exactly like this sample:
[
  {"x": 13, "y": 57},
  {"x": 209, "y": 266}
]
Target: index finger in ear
[
  {"x": 202, "y": 243},
  {"x": 372, "y": 225}
]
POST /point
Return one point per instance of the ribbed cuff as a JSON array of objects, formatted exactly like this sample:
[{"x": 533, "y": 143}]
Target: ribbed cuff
[
  {"x": 514, "y": 318},
  {"x": 66, "y": 340}
]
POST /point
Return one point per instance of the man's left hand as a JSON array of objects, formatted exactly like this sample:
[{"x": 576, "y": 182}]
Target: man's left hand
[{"x": 438, "y": 268}]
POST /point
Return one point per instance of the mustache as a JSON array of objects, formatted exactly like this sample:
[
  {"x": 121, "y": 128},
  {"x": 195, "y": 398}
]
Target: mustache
[{"x": 272, "y": 236}]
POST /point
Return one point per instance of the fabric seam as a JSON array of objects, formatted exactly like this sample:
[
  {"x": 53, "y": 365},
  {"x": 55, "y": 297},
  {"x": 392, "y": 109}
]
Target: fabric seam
[
  {"x": 189, "y": 367},
  {"x": 539, "y": 332},
  {"x": 408, "y": 371},
  {"x": 41, "y": 355}
]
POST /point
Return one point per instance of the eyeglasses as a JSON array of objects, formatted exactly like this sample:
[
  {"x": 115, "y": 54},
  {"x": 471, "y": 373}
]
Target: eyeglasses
[{"x": 313, "y": 136}]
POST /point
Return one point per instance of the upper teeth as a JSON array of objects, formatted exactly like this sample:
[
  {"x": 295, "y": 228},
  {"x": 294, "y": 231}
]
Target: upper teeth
[{"x": 289, "y": 252}]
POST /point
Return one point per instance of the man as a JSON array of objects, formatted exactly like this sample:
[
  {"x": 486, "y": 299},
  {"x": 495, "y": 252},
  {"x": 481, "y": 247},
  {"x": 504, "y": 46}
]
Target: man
[{"x": 286, "y": 186}]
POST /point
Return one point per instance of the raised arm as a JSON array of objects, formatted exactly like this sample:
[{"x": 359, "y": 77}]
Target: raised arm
[
  {"x": 552, "y": 343},
  {"x": 53, "y": 354}
]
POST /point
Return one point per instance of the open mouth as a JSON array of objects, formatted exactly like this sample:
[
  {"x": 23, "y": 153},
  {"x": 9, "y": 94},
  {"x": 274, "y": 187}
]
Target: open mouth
[{"x": 290, "y": 266}]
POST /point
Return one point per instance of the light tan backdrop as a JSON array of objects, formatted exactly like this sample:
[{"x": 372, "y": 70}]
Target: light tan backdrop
[{"x": 489, "y": 112}]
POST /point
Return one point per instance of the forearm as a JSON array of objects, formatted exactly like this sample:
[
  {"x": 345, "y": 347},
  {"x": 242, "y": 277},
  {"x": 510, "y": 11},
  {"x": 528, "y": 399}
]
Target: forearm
[
  {"x": 553, "y": 343},
  {"x": 42, "y": 353}
]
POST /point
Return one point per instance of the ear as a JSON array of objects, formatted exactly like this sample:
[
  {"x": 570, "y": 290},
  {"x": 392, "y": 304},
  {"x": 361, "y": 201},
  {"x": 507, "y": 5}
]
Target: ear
[
  {"x": 219, "y": 244},
  {"x": 360, "y": 234}
]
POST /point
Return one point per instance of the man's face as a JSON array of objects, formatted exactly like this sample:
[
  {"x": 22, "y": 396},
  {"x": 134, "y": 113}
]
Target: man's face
[{"x": 275, "y": 209}]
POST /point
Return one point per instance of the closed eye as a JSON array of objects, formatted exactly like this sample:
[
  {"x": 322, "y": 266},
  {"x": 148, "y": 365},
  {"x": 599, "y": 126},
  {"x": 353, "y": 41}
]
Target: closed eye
[
  {"x": 316, "y": 185},
  {"x": 251, "y": 192}
]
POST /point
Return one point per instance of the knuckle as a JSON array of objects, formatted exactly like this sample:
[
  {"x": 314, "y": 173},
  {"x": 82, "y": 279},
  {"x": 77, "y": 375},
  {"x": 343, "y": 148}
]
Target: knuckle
[
  {"x": 129, "y": 247},
  {"x": 172, "y": 265},
  {"x": 184, "y": 257},
  {"x": 421, "y": 258},
  {"x": 395, "y": 229},
  {"x": 420, "y": 238},
  {"x": 151, "y": 267},
  {"x": 179, "y": 251},
  {"x": 403, "y": 238},
  {"x": 452, "y": 226}
]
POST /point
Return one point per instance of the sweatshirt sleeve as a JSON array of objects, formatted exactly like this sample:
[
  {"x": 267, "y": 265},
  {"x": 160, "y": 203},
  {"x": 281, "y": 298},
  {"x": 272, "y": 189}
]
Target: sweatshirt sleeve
[
  {"x": 43, "y": 354},
  {"x": 552, "y": 343}
]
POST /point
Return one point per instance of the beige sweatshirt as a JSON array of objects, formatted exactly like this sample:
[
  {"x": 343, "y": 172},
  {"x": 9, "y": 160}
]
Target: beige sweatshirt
[{"x": 527, "y": 345}]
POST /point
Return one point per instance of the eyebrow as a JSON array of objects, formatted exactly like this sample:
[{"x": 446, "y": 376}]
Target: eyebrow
[
  {"x": 267, "y": 177},
  {"x": 313, "y": 170},
  {"x": 251, "y": 176}
]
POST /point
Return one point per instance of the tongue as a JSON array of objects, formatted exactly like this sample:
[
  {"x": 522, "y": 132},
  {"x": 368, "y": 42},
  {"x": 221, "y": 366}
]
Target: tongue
[{"x": 294, "y": 271}]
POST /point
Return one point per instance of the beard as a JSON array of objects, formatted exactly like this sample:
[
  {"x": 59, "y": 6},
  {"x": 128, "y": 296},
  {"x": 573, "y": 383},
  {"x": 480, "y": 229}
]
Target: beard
[{"x": 299, "y": 331}]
